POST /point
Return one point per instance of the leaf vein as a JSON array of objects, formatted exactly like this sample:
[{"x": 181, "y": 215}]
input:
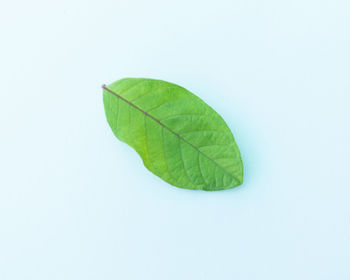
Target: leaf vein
[
  {"x": 200, "y": 170},
  {"x": 150, "y": 91},
  {"x": 204, "y": 130},
  {"x": 165, "y": 158},
  {"x": 146, "y": 146},
  {"x": 183, "y": 163},
  {"x": 166, "y": 102},
  {"x": 182, "y": 115}
]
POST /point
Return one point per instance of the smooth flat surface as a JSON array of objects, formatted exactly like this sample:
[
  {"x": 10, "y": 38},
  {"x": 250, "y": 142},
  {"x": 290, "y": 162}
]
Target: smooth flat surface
[{"x": 75, "y": 203}]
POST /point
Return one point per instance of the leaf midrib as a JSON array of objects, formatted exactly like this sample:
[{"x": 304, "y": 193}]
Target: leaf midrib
[{"x": 166, "y": 127}]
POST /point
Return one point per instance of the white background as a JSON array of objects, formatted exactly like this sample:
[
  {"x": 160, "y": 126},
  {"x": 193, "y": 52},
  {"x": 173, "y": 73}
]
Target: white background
[{"x": 75, "y": 203}]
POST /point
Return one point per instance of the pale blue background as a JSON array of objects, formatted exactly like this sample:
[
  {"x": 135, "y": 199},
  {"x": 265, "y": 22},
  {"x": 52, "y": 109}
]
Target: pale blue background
[{"x": 75, "y": 203}]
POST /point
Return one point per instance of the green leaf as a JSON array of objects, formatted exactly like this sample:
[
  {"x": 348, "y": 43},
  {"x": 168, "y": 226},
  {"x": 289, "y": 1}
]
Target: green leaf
[{"x": 178, "y": 136}]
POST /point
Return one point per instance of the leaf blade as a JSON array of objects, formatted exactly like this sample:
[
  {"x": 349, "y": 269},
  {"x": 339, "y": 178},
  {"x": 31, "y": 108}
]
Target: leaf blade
[{"x": 164, "y": 106}]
